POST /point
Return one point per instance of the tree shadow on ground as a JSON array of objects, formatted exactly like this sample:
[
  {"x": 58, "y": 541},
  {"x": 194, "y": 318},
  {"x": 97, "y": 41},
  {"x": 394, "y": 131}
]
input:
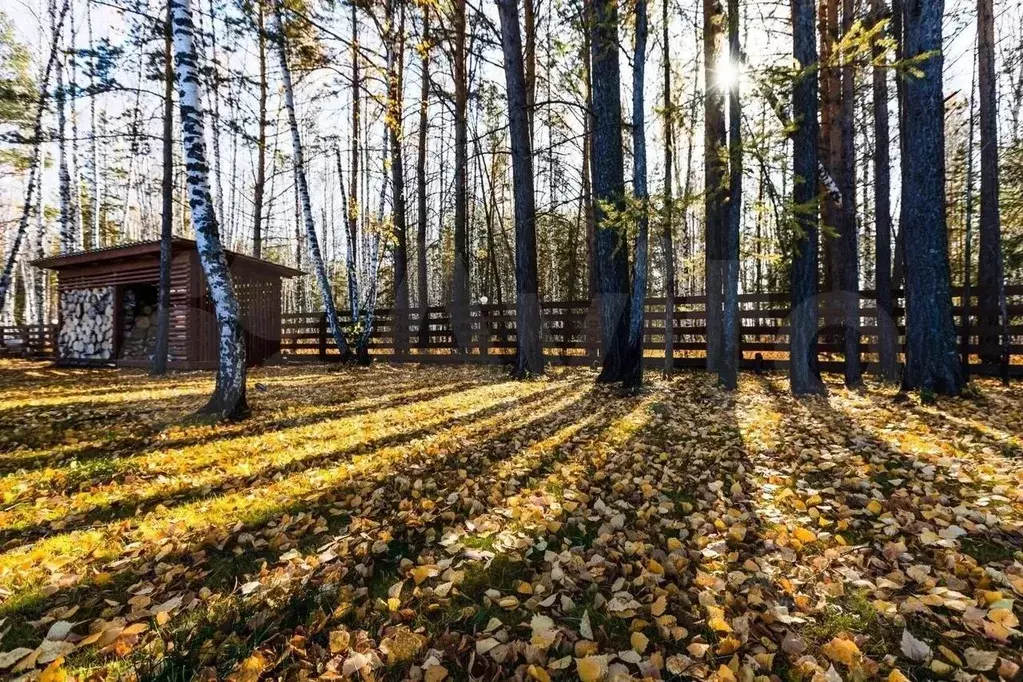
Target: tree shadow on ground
[{"x": 228, "y": 561}]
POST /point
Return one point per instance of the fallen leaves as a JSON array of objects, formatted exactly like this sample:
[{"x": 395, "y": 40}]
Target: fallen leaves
[{"x": 546, "y": 530}]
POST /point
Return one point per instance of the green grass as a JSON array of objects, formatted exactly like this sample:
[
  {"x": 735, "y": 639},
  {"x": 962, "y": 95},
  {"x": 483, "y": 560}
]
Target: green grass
[
  {"x": 986, "y": 551},
  {"x": 854, "y": 613}
]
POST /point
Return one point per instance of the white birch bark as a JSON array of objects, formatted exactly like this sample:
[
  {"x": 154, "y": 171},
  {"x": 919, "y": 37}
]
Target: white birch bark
[
  {"x": 228, "y": 399},
  {"x": 34, "y": 162},
  {"x": 94, "y": 143},
  {"x": 303, "y": 188},
  {"x": 67, "y": 243},
  {"x": 76, "y": 196}
]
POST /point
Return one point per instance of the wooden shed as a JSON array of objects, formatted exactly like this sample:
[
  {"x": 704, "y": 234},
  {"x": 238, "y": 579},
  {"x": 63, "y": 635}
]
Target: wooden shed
[{"x": 108, "y": 305}]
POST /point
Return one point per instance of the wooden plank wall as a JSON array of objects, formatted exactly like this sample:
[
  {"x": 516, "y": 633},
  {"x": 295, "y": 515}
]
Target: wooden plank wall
[
  {"x": 259, "y": 301},
  {"x": 142, "y": 271}
]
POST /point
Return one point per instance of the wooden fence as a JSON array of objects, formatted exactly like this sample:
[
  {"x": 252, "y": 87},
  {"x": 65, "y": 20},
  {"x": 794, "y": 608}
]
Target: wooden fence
[
  {"x": 571, "y": 334},
  {"x": 30, "y": 341}
]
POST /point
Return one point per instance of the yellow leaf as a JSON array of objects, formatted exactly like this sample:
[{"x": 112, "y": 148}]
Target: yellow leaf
[
  {"x": 339, "y": 641},
  {"x": 537, "y": 673},
  {"x": 659, "y": 605},
  {"x": 896, "y": 676},
  {"x": 421, "y": 573},
  {"x": 435, "y": 673},
  {"x": 54, "y": 672},
  {"x": 719, "y": 624},
  {"x": 842, "y": 651},
  {"x": 725, "y": 674},
  {"x": 639, "y": 642},
  {"x": 875, "y": 507},
  {"x": 249, "y": 669},
  {"x": 591, "y": 668},
  {"x": 654, "y": 567},
  {"x": 804, "y": 535}
]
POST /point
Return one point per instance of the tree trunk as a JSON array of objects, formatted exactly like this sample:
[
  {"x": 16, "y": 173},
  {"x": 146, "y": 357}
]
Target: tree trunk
[
  {"x": 395, "y": 60},
  {"x": 728, "y": 368},
  {"x": 609, "y": 189},
  {"x": 804, "y": 377},
  {"x": 990, "y": 279},
  {"x": 97, "y": 241},
  {"x": 257, "y": 208},
  {"x": 302, "y": 188},
  {"x": 848, "y": 273},
  {"x": 886, "y": 329},
  {"x": 353, "y": 190},
  {"x": 34, "y": 166},
  {"x": 422, "y": 283},
  {"x": 460, "y": 278},
  {"x": 714, "y": 179},
  {"x": 633, "y": 370},
  {"x": 529, "y": 351},
  {"x": 529, "y": 23},
  {"x": 932, "y": 364},
  {"x": 228, "y": 400},
  {"x": 968, "y": 236},
  {"x": 667, "y": 241},
  {"x": 67, "y": 235},
  {"x": 159, "y": 366}
]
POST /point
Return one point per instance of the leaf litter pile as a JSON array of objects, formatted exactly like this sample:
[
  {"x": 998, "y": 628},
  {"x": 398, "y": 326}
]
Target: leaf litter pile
[{"x": 433, "y": 524}]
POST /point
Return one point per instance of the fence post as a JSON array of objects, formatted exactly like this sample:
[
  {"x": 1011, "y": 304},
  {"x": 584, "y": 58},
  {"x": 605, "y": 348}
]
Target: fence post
[
  {"x": 592, "y": 325},
  {"x": 484, "y": 333},
  {"x": 323, "y": 336}
]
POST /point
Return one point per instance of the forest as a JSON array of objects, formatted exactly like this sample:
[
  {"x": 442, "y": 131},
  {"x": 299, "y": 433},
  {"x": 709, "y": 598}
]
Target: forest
[{"x": 552, "y": 339}]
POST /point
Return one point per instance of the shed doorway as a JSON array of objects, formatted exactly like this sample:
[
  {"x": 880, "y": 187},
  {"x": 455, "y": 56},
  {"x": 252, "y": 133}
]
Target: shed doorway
[{"x": 138, "y": 322}]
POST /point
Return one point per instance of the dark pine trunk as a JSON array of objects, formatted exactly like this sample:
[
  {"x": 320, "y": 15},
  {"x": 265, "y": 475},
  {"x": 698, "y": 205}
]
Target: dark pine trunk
[
  {"x": 460, "y": 283},
  {"x": 714, "y": 133},
  {"x": 159, "y": 365},
  {"x": 422, "y": 283},
  {"x": 667, "y": 241},
  {"x": 990, "y": 278},
  {"x": 728, "y": 367},
  {"x": 886, "y": 329},
  {"x": 804, "y": 377},
  {"x": 529, "y": 360},
  {"x": 609, "y": 189},
  {"x": 396, "y": 46},
  {"x": 633, "y": 370},
  {"x": 847, "y": 274},
  {"x": 932, "y": 364}
]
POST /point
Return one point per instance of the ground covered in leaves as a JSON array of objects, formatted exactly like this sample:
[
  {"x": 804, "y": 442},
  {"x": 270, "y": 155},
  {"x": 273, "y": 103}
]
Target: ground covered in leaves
[{"x": 446, "y": 523}]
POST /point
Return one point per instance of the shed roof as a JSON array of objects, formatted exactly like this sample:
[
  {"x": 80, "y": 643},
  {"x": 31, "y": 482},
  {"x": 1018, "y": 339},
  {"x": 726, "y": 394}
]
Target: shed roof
[{"x": 128, "y": 252}]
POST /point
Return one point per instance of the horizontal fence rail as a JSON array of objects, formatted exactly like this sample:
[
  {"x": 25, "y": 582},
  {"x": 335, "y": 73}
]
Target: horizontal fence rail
[
  {"x": 570, "y": 333},
  {"x": 29, "y": 341}
]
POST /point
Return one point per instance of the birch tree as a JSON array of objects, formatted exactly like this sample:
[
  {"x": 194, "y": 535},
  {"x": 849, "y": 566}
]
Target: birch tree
[
  {"x": 228, "y": 400},
  {"x": 34, "y": 165},
  {"x": 302, "y": 187}
]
